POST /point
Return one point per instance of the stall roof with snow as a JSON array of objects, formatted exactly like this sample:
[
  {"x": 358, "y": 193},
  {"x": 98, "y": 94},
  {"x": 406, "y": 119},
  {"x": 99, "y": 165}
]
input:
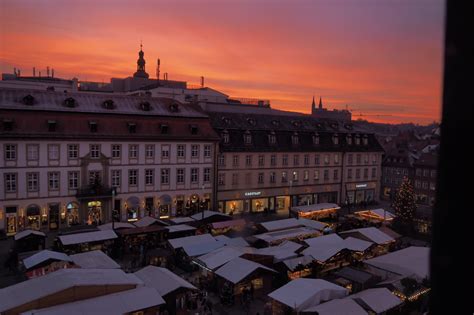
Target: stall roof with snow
[
  {"x": 208, "y": 213},
  {"x": 239, "y": 268},
  {"x": 371, "y": 234},
  {"x": 20, "y": 235},
  {"x": 95, "y": 259},
  {"x": 147, "y": 221},
  {"x": 344, "y": 306},
  {"x": 302, "y": 293},
  {"x": 44, "y": 256},
  {"x": 116, "y": 226},
  {"x": 288, "y": 234},
  {"x": 163, "y": 280},
  {"x": 191, "y": 240},
  {"x": 378, "y": 300},
  {"x": 87, "y": 237}
]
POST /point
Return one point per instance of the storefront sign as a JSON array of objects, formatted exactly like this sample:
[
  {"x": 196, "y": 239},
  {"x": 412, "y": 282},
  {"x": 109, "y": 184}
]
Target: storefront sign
[
  {"x": 252, "y": 193},
  {"x": 361, "y": 185}
]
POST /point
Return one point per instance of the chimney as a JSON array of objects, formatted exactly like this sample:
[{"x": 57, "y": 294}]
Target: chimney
[
  {"x": 14, "y": 71},
  {"x": 34, "y": 71},
  {"x": 158, "y": 69},
  {"x": 166, "y": 76},
  {"x": 202, "y": 82},
  {"x": 47, "y": 71},
  {"x": 18, "y": 72}
]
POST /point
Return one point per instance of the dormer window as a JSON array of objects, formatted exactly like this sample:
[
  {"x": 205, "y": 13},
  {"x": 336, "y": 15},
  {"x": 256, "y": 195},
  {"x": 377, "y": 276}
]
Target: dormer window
[
  {"x": 296, "y": 123},
  {"x": 251, "y": 121},
  {"x": 272, "y": 138},
  {"x": 319, "y": 125},
  {"x": 93, "y": 126},
  {"x": 164, "y": 129},
  {"x": 335, "y": 139},
  {"x": 174, "y": 108},
  {"x": 145, "y": 106},
  {"x": 349, "y": 139},
  {"x": 295, "y": 139},
  {"x": 28, "y": 100},
  {"x": 108, "y": 104},
  {"x": 316, "y": 139},
  {"x": 226, "y": 120},
  {"x": 247, "y": 137},
  {"x": 275, "y": 123},
  {"x": 334, "y": 125},
  {"x": 7, "y": 125},
  {"x": 225, "y": 136},
  {"x": 52, "y": 125},
  {"x": 194, "y": 129},
  {"x": 365, "y": 140},
  {"x": 132, "y": 127},
  {"x": 348, "y": 126},
  {"x": 70, "y": 102},
  {"x": 357, "y": 139}
]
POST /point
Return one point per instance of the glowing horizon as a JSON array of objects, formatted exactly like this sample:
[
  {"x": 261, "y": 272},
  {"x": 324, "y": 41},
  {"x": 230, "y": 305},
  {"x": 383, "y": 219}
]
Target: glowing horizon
[{"x": 379, "y": 58}]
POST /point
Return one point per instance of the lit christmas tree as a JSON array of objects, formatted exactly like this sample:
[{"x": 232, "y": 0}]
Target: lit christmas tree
[{"x": 404, "y": 203}]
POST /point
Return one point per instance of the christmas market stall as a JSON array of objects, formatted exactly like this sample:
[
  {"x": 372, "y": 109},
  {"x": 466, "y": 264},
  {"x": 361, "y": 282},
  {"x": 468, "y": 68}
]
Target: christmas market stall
[
  {"x": 148, "y": 236},
  {"x": 297, "y": 267},
  {"x": 223, "y": 227},
  {"x": 372, "y": 234},
  {"x": 29, "y": 240},
  {"x": 87, "y": 241},
  {"x": 44, "y": 262},
  {"x": 180, "y": 230},
  {"x": 375, "y": 215},
  {"x": 95, "y": 259},
  {"x": 318, "y": 211}
]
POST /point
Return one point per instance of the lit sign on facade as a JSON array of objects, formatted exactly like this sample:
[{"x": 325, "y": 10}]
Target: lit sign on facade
[
  {"x": 361, "y": 185},
  {"x": 252, "y": 193}
]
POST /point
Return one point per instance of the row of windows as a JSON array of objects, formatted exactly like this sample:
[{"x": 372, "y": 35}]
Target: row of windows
[
  {"x": 395, "y": 171},
  {"x": 33, "y": 178},
  {"x": 295, "y": 176},
  {"x": 32, "y": 151},
  {"x": 272, "y": 139},
  {"x": 296, "y": 159},
  {"x": 425, "y": 173},
  {"x": 425, "y": 185}
]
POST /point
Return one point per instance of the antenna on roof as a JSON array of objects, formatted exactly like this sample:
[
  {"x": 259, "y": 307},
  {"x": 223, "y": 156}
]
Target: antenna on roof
[
  {"x": 202, "y": 81},
  {"x": 34, "y": 71},
  {"x": 18, "y": 72},
  {"x": 14, "y": 71},
  {"x": 158, "y": 70},
  {"x": 47, "y": 71},
  {"x": 52, "y": 73}
]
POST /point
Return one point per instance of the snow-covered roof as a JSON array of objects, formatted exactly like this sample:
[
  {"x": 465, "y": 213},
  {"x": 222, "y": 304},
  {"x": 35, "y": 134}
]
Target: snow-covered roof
[
  {"x": 373, "y": 234},
  {"x": 95, "y": 259},
  {"x": 182, "y": 220},
  {"x": 378, "y": 299},
  {"x": 324, "y": 247},
  {"x": 60, "y": 280},
  {"x": 162, "y": 280},
  {"x": 199, "y": 249},
  {"x": 406, "y": 262},
  {"x": 191, "y": 240},
  {"x": 179, "y": 228},
  {"x": 87, "y": 237},
  {"x": 280, "y": 224},
  {"x": 123, "y": 302},
  {"x": 285, "y": 250},
  {"x": 276, "y": 236},
  {"x": 25, "y": 233},
  {"x": 302, "y": 293},
  {"x": 312, "y": 224},
  {"x": 292, "y": 263},
  {"x": 315, "y": 207},
  {"x": 238, "y": 268},
  {"x": 43, "y": 256},
  {"x": 220, "y": 256},
  {"x": 147, "y": 220},
  {"x": 235, "y": 241},
  {"x": 116, "y": 225},
  {"x": 231, "y": 223},
  {"x": 344, "y": 306},
  {"x": 208, "y": 214}
]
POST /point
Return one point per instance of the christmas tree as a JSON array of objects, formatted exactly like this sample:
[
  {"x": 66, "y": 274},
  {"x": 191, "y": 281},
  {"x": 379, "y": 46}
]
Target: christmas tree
[{"x": 404, "y": 203}]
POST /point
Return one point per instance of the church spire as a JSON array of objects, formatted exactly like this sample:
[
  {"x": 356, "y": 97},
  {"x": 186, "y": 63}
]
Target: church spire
[
  {"x": 313, "y": 105},
  {"x": 320, "y": 103},
  {"x": 141, "y": 73}
]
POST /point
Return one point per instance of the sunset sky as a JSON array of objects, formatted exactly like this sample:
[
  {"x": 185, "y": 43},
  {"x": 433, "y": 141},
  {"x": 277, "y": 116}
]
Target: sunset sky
[{"x": 380, "y": 57}]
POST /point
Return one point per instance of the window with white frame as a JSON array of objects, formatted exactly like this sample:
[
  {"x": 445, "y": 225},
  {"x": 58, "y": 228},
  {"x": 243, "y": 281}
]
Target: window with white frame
[
  {"x": 53, "y": 180},
  {"x": 180, "y": 173},
  {"x": 326, "y": 174},
  {"x": 116, "y": 151},
  {"x": 316, "y": 159},
  {"x": 194, "y": 151},
  {"x": 181, "y": 151},
  {"x": 165, "y": 176},
  {"x": 149, "y": 151},
  {"x": 225, "y": 137},
  {"x": 366, "y": 173},
  {"x": 248, "y": 178},
  {"x": 133, "y": 151},
  {"x": 207, "y": 151},
  {"x": 272, "y": 177},
  {"x": 366, "y": 158},
  {"x": 358, "y": 159},
  {"x": 248, "y": 160},
  {"x": 260, "y": 178},
  {"x": 272, "y": 138},
  {"x": 235, "y": 178},
  {"x": 116, "y": 178},
  {"x": 336, "y": 158},
  {"x": 316, "y": 175},
  {"x": 221, "y": 179},
  {"x": 149, "y": 177},
  {"x": 32, "y": 152},
  {"x": 73, "y": 179},
  {"x": 336, "y": 175},
  {"x": 94, "y": 177},
  {"x": 326, "y": 159},
  {"x": 273, "y": 160},
  {"x": 374, "y": 158},
  {"x": 284, "y": 177},
  {"x": 247, "y": 138},
  {"x": 305, "y": 175},
  {"x": 295, "y": 176},
  {"x": 235, "y": 160},
  {"x": 306, "y": 159},
  {"x": 374, "y": 172},
  {"x": 349, "y": 173},
  {"x": 10, "y": 152},
  {"x": 194, "y": 175},
  {"x": 261, "y": 160},
  {"x": 10, "y": 182},
  {"x": 132, "y": 178},
  {"x": 72, "y": 151},
  {"x": 296, "y": 160},
  {"x": 221, "y": 160},
  {"x": 53, "y": 151},
  {"x": 284, "y": 160},
  {"x": 165, "y": 151},
  {"x": 32, "y": 180},
  {"x": 358, "y": 173},
  {"x": 207, "y": 175},
  {"x": 350, "y": 159},
  {"x": 94, "y": 151}
]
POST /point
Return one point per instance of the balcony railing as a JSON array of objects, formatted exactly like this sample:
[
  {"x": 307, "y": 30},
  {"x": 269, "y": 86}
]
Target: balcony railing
[{"x": 95, "y": 191}]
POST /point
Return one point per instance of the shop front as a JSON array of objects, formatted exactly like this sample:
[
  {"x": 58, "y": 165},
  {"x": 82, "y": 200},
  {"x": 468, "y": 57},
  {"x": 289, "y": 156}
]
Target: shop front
[
  {"x": 53, "y": 216},
  {"x": 357, "y": 193},
  {"x": 11, "y": 220},
  {"x": 33, "y": 217},
  {"x": 164, "y": 209},
  {"x": 94, "y": 212},
  {"x": 132, "y": 209}
]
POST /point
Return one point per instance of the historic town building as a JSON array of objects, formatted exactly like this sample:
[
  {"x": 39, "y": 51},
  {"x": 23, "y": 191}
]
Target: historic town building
[
  {"x": 270, "y": 159},
  {"x": 70, "y": 158}
]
